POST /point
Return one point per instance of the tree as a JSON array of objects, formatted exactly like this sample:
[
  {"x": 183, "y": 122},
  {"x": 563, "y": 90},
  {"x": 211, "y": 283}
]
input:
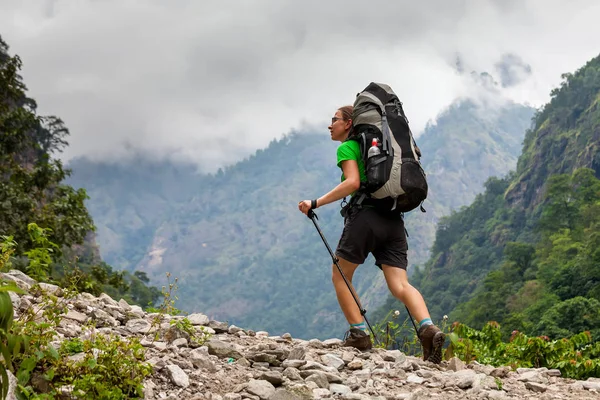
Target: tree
[
  {"x": 31, "y": 188},
  {"x": 570, "y": 317}
]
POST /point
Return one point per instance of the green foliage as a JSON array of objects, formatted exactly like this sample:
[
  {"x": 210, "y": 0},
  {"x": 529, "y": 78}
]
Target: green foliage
[
  {"x": 573, "y": 315},
  {"x": 39, "y": 256},
  {"x": 554, "y": 279},
  {"x": 198, "y": 336},
  {"x": 169, "y": 298},
  {"x": 394, "y": 334},
  {"x": 180, "y": 326},
  {"x": 106, "y": 367},
  {"x": 576, "y": 357},
  {"x": 10, "y": 344}
]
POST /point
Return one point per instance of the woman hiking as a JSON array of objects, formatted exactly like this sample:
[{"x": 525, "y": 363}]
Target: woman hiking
[{"x": 369, "y": 230}]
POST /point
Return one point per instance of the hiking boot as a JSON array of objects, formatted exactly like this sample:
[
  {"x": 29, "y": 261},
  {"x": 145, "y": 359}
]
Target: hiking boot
[
  {"x": 432, "y": 340},
  {"x": 358, "y": 339}
]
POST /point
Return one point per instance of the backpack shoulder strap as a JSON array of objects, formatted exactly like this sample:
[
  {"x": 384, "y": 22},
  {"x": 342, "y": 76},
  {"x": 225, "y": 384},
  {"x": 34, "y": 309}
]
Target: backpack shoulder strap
[{"x": 362, "y": 142}]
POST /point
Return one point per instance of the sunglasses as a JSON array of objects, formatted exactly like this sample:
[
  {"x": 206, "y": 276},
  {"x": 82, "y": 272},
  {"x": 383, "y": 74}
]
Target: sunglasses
[{"x": 335, "y": 119}]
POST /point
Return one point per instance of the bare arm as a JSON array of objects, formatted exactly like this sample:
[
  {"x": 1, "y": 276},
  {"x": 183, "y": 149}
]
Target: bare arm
[{"x": 345, "y": 188}]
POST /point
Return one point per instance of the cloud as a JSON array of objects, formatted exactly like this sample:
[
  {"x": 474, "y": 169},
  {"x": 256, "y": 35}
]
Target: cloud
[
  {"x": 512, "y": 70},
  {"x": 210, "y": 82}
]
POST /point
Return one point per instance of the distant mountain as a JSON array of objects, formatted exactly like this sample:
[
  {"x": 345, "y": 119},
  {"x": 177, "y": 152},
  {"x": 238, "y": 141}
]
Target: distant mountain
[
  {"x": 468, "y": 143},
  {"x": 235, "y": 240}
]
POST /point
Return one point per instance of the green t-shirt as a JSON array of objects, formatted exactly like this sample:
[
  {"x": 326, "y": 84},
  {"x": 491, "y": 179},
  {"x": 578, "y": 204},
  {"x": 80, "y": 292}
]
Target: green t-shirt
[{"x": 350, "y": 150}]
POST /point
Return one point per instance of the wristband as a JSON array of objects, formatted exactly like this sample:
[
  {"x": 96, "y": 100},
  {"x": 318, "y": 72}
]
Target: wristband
[{"x": 313, "y": 204}]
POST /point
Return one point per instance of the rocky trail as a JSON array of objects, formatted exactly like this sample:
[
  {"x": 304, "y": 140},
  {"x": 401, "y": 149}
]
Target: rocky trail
[{"x": 236, "y": 364}]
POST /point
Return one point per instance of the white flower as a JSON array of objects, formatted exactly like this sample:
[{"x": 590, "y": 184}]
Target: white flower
[
  {"x": 396, "y": 313},
  {"x": 445, "y": 318}
]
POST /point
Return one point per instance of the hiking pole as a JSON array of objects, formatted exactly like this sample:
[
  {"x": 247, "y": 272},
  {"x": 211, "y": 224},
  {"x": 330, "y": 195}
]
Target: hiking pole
[
  {"x": 412, "y": 320},
  {"x": 311, "y": 214}
]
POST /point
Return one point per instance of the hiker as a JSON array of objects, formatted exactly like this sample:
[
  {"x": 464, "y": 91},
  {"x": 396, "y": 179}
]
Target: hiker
[{"x": 370, "y": 230}]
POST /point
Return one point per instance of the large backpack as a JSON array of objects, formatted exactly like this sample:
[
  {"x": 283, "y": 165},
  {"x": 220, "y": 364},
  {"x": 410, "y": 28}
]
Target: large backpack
[{"x": 395, "y": 178}]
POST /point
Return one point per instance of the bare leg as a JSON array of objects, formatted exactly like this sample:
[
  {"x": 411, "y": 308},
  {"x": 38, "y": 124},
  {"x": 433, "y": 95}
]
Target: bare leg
[
  {"x": 397, "y": 282},
  {"x": 344, "y": 296}
]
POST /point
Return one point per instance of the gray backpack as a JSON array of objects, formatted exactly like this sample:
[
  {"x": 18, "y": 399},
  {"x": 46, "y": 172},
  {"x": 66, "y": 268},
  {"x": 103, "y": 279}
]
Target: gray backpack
[{"x": 396, "y": 181}]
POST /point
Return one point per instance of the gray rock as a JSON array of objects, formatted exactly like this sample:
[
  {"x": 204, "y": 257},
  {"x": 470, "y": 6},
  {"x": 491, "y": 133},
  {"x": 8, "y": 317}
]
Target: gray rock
[
  {"x": 293, "y": 363},
  {"x": 292, "y": 374},
  {"x": 320, "y": 367},
  {"x": 333, "y": 378},
  {"x": 319, "y": 378},
  {"x": 181, "y": 342},
  {"x": 136, "y": 311},
  {"x": 124, "y": 305},
  {"x": 591, "y": 385},
  {"x": 243, "y": 365},
  {"x": 536, "y": 387},
  {"x": 222, "y": 349},
  {"x": 274, "y": 377},
  {"x": 233, "y": 329},
  {"x": 138, "y": 325},
  {"x": 336, "y": 388},
  {"x": 465, "y": 379},
  {"x": 332, "y": 360},
  {"x": 501, "y": 372},
  {"x": 261, "y": 388},
  {"x": 497, "y": 395},
  {"x": 21, "y": 284},
  {"x": 331, "y": 343},
  {"x": 178, "y": 377},
  {"x": 299, "y": 392},
  {"x": 198, "y": 319},
  {"x": 321, "y": 393},
  {"x": 103, "y": 319},
  {"x": 22, "y": 276},
  {"x": 395, "y": 356},
  {"x": 264, "y": 358},
  {"x": 553, "y": 372},
  {"x": 200, "y": 359},
  {"x": 76, "y": 316},
  {"x": 52, "y": 289},
  {"x": 106, "y": 299},
  {"x": 355, "y": 364},
  {"x": 532, "y": 376},
  {"x": 412, "y": 378},
  {"x": 217, "y": 326},
  {"x": 456, "y": 364}
]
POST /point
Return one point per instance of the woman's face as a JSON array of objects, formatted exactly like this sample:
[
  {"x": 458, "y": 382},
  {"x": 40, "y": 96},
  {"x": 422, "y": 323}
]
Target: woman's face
[{"x": 339, "y": 128}]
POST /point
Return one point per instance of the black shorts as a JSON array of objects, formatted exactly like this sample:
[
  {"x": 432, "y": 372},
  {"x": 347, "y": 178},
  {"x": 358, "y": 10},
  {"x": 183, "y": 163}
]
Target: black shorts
[{"x": 367, "y": 231}]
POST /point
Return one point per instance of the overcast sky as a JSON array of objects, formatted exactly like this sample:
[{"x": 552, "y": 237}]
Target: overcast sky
[{"x": 212, "y": 81}]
